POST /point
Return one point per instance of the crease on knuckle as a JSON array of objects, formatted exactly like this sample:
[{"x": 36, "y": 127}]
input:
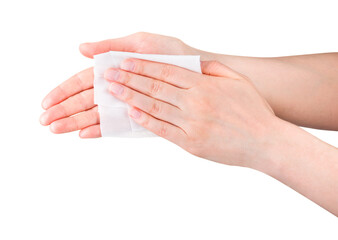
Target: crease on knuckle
[
  {"x": 62, "y": 92},
  {"x": 125, "y": 78},
  {"x": 145, "y": 122},
  {"x": 155, "y": 88},
  {"x": 127, "y": 95},
  {"x": 91, "y": 117},
  {"x": 82, "y": 96},
  {"x": 76, "y": 124},
  {"x": 163, "y": 130},
  {"x": 166, "y": 71},
  {"x": 155, "y": 108},
  {"x": 139, "y": 66},
  {"x": 63, "y": 109},
  {"x": 79, "y": 81}
]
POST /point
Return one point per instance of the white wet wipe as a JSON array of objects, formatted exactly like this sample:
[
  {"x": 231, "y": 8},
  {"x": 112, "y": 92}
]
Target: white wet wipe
[{"x": 114, "y": 118}]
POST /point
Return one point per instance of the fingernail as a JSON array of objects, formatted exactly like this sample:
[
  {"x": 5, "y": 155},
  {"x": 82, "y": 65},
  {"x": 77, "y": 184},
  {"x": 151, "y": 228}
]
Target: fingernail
[
  {"x": 128, "y": 65},
  {"x": 116, "y": 88},
  {"x": 112, "y": 74},
  {"x": 135, "y": 113}
]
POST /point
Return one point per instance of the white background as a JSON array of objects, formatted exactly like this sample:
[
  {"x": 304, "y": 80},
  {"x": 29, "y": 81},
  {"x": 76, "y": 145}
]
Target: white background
[{"x": 62, "y": 187}]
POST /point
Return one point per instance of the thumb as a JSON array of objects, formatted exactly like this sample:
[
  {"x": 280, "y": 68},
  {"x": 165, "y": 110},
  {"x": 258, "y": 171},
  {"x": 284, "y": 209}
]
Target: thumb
[
  {"x": 218, "y": 69},
  {"x": 124, "y": 44}
]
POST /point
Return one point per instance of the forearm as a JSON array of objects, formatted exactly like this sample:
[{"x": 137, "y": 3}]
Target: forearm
[
  {"x": 303, "y": 162},
  {"x": 300, "y": 89}
]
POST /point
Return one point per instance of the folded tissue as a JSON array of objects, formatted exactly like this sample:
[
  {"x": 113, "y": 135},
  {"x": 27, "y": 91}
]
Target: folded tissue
[{"x": 114, "y": 118}]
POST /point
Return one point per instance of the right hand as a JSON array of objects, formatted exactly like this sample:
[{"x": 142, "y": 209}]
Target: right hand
[{"x": 75, "y": 95}]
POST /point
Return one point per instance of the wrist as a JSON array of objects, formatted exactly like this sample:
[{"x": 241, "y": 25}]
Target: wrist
[
  {"x": 286, "y": 148},
  {"x": 274, "y": 146},
  {"x": 302, "y": 162}
]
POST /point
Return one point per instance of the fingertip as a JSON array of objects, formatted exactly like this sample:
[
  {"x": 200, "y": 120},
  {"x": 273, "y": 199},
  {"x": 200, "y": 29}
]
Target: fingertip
[
  {"x": 45, "y": 104},
  {"x": 85, "y": 133},
  {"x": 85, "y": 49},
  {"x": 43, "y": 119},
  {"x": 82, "y": 134},
  {"x": 54, "y": 128},
  {"x": 90, "y": 132}
]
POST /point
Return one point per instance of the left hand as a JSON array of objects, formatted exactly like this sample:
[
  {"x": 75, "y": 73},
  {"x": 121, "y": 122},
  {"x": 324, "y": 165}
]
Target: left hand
[
  {"x": 218, "y": 115},
  {"x": 70, "y": 106}
]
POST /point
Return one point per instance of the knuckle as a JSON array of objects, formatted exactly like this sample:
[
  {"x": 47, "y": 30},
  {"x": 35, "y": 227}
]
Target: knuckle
[
  {"x": 82, "y": 96},
  {"x": 125, "y": 78},
  {"x": 127, "y": 95},
  {"x": 94, "y": 115},
  {"x": 195, "y": 141},
  {"x": 76, "y": 123},
  {"x": 166, "y": 71},
  {"x": 163, "y": 130},
  {"x": 155, "y": 88},
  {"x": 139, "y": 66},
  {"x": 79, "y": 80},
  {"x": 145, "y": 122},
  {"x": 61, "y": 91},
  {"x": 212, "y": 66},
  {"x": 215, "y": 65},
  {"x": 63, "y": 109},
  {"x": 156, "y": 108}
]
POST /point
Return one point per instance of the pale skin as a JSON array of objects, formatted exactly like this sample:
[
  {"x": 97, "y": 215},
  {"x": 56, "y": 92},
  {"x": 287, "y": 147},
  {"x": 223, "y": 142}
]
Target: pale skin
[{"x": 240, "y": 111}]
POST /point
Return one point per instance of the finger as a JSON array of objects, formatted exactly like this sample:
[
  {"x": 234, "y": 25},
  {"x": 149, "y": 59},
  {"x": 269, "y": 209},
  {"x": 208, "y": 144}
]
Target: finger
[
  {"x": 124, "y": 44},
  {"x": 148, "y": 86},
  {"x": 76, "y": 122},
  {"x": 154, "y": 107},
  {"x": 218, "y": 69},
  {"x": 77, "y": 83},
  {"x": 75, "y": 104},
  {"x": 91, "y": 132},
  {"x": 160, "y": 128},
  {"x": 171, "y": 74}
]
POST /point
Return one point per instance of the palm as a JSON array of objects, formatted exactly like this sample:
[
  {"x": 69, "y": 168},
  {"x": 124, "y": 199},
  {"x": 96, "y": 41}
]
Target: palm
[{"x": 70, "y": 106}]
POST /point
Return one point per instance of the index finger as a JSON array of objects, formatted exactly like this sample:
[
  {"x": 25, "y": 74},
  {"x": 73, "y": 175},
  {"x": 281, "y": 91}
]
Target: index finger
[
  {"x": 124, "y": 44},
  {"x": 77, "y": 83},
  {"x": 174, "y": 75}
]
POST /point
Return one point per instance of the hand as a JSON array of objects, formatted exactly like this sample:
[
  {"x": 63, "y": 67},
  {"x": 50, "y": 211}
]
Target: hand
[
  {"x": 75, "y": 96},
  {"x": 70, "y": 106},
  {"x": 141, "y": 43},
  {"x": 218, "y": 116}
]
